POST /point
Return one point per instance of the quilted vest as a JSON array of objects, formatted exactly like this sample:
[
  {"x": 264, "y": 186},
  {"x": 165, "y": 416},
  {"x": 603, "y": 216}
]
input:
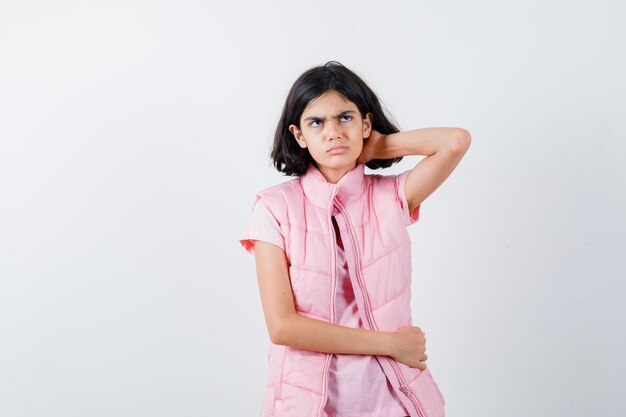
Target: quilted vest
[{"x": 378, "y": 250}]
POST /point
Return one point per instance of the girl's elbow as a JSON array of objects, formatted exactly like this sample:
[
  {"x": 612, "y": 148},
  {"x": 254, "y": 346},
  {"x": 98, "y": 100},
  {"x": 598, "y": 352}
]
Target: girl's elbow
[
  {"x": 276, "y": 336},
  {"x": 462, "y": 140},
  {"x": 279, "y": 332}
]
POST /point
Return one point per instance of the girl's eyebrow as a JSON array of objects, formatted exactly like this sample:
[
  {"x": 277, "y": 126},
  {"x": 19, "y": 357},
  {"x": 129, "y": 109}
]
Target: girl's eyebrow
[{"x": 316, "y": 118}]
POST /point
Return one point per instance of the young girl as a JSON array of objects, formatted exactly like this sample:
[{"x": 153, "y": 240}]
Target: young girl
[{"x": 333, "y": 254}]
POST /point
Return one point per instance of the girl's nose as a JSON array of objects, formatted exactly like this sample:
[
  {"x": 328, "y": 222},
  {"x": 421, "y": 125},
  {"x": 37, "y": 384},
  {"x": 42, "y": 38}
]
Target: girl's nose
[{"x": 333, "y": 131}]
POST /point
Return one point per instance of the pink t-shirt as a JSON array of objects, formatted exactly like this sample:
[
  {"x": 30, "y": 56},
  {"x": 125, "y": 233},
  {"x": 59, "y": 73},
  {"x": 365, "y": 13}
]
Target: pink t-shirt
[{"x": 356, "y": 376}]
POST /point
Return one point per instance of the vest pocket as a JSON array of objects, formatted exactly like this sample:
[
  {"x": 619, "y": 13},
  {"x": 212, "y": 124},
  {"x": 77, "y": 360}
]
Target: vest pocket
[
  {"x": 427, "y": 392},
  {"x": 435, "y": 386},
  {"x": 276, "y": 365}
]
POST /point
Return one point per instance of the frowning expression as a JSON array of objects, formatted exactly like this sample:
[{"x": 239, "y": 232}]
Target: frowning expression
[{"x": 332, "y": 129}]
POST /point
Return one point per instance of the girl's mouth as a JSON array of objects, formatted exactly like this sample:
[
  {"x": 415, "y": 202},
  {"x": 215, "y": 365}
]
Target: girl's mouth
[{"x": 338, "y": 149}]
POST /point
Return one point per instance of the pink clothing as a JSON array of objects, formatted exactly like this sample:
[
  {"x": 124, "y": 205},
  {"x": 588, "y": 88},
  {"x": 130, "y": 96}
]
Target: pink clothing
[
  {"x": 372, "y": 216},
  {"x": 356, "y": 376},
  {"x": 350, "y": 376}
]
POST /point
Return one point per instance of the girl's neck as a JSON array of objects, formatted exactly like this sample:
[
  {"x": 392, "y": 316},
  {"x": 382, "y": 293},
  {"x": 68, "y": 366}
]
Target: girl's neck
[{"x": 333, "y": 175}]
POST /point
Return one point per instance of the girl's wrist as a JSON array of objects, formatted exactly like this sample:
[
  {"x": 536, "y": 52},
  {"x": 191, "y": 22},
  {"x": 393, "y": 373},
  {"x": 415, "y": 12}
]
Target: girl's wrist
[
  {"x": 390, "y": 147},
  {"x": 390, "y": 343},
  {"x": 378, "y": 143}
]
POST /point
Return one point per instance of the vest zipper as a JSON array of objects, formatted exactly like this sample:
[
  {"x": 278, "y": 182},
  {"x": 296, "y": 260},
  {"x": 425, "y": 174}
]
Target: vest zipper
[
  {"x": 404, "y": 388},
  {"x": 333, "y": 256}
]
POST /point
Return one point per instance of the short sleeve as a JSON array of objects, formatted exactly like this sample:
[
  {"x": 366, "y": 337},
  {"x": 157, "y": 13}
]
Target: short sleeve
[
  {"x": 262, "y": 226},
  {"x": 409, "y": 218}
]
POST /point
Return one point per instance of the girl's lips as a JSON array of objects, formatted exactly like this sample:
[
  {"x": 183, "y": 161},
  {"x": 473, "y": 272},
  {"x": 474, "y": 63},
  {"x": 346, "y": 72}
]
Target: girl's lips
[{"x": 340, "y": 149}]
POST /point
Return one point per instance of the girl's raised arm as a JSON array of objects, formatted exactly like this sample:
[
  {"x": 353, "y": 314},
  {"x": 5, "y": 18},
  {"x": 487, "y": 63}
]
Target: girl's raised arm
[
  {"x": 444, "y": 147},
  {"x": 287, "y": 327}
]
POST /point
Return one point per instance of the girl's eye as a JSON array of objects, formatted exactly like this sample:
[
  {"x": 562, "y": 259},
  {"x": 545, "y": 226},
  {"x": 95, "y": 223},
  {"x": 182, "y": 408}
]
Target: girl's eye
[{"x": 312, "y": 124}]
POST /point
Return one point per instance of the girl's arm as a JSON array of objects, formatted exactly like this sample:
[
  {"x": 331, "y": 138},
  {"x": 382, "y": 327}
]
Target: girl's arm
[
  {"x": 444, "y": 148},
  {"x": 287, "y": 327}
]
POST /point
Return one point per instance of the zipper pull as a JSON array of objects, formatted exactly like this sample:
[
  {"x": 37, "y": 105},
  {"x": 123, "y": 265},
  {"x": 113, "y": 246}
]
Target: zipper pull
[{"x": 406, "y": 391}]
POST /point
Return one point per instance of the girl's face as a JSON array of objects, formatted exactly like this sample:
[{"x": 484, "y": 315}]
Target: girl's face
[{"x": 332, "y": 129}]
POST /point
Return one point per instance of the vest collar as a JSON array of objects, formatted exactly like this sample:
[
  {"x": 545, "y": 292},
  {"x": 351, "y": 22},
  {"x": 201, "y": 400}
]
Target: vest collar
[{"x": 323, "y": 193}]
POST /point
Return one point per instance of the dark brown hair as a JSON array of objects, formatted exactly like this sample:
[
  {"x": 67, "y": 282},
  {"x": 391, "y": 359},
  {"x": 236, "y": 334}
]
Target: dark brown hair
[{"x": 290, "y": 158}]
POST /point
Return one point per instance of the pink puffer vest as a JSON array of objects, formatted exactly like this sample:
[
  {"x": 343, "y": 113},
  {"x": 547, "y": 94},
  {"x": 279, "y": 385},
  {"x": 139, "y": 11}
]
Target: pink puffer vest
[{"x": 378, "y": 251}]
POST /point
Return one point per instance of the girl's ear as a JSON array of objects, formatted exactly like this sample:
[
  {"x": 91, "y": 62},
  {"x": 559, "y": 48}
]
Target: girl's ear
[
  {"x": 367, "y": 125},
  {"x": 298, "y": 135}
]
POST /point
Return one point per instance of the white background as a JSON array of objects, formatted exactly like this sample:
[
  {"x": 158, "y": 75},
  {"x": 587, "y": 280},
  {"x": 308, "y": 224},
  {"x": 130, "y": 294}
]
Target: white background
[{"x": 135, "y": 134}]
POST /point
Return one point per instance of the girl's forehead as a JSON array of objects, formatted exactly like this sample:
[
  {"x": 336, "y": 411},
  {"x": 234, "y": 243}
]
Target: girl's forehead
[{"x": 330, "y": 101}]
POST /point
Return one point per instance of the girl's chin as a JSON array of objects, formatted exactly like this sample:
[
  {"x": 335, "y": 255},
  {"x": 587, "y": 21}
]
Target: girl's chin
[{"x": 339, "y": 165}]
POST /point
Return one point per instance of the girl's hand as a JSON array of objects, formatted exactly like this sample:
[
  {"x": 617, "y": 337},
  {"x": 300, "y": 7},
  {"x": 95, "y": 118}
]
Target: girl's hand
[
  {"x": 371, "y": 146},
  {"x": 409, "y": 347}
]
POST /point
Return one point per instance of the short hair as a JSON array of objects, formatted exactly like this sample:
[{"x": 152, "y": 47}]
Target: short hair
[{"x": 291, "y": 159}]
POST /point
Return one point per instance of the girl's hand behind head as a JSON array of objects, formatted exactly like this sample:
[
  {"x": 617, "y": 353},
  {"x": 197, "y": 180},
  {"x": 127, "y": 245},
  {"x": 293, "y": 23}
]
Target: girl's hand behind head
[{"x": 371, "y": 147}]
